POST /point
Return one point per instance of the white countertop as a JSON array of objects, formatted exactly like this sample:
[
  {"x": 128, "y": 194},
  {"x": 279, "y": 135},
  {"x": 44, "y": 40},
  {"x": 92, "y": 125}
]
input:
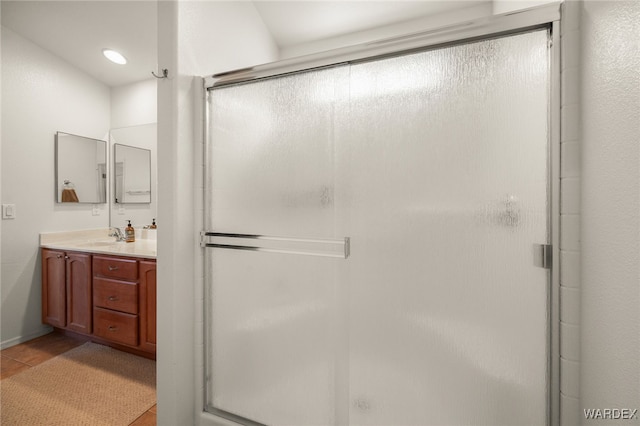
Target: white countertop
[{"x": 98, "y": 241}]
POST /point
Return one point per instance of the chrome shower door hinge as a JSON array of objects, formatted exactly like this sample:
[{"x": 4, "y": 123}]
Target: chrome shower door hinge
[{"x": 543, "y": 255}]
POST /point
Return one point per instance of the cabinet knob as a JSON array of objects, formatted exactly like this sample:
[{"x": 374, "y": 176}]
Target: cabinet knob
[
  {"x": 113, "y": 298},
  {"x": 66, "y": 257},
  {"x": 113, "y": 268},
  {"x": 59, "y": 256},
  {"x": 113, "y": 328}
]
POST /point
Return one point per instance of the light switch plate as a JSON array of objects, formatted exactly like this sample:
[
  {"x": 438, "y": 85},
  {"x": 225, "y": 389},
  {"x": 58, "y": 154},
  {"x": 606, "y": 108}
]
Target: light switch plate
[{"x": 8, "y": 211}]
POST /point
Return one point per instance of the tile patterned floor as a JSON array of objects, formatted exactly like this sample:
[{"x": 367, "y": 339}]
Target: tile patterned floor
[{"x": 26, "y": 355}]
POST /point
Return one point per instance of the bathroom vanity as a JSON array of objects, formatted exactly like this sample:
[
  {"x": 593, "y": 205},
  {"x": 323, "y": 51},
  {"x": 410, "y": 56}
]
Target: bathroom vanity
[{"x": 97, "y": 287}]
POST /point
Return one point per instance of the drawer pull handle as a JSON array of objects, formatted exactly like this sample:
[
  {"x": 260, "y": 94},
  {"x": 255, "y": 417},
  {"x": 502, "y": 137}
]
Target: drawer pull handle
[
  {"x": 113, "y": 328},
  {"x": 113, "y": 268},
  {"x": 113, "y": 298}
]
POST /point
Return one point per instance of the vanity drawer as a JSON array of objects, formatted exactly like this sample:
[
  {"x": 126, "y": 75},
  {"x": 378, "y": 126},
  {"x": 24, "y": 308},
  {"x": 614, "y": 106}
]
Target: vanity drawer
[
  {"x": 115, "y": 326},
  {"x": 110, "y": 267},
  {"x": 117, "y": 295}
]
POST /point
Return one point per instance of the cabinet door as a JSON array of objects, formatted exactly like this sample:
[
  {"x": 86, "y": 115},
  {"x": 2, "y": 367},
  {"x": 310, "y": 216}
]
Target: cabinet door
[
  {"x": 53, "y": 288},
  {"x": 79, "y": 304},
  {"x": 148, "y": 306}
]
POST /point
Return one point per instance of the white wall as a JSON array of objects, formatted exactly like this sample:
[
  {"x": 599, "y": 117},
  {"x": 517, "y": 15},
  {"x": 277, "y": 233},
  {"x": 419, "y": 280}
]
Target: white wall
[
  {"x": 134, "y": 104},
  {"x": 610, "y": 338},
  {"x": 42, "y": 94},
  {"x": 483, "y": 9},
  {"x": 195, "y": 39},
  {"x": 1, "y": 199},
  {"x": 133, "y": 118},
  {"x": 222, "y": 36},
  {"x": 506, "y": 6}
]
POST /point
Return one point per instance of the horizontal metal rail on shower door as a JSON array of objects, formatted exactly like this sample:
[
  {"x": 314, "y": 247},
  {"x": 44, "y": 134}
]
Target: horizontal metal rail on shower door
[
  {"x": 338, "y": 248},
  {"x": 463, "y": 32}
]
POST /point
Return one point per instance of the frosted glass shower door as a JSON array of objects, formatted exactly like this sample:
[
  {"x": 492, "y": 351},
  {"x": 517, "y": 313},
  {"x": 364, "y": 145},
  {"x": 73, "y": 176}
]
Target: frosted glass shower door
[
  {"x": 447, "y": 176},
  {"x": 435, "y": 165},
  {"x": 274, "y": 312}
]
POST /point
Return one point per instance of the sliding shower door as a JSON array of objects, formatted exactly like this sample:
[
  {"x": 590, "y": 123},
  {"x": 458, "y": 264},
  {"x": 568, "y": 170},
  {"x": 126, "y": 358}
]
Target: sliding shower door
[
  {"x": 447, "y": 176},
  {"x": 371, "y": 230},
  {"x": 275, "y": 312}
]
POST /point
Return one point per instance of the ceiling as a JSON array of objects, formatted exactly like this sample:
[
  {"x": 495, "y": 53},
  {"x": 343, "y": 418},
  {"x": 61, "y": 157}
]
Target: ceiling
[{"x": 77, "y": 31}]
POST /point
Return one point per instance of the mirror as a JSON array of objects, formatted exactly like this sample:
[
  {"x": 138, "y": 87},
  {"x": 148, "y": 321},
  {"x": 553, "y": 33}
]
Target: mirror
[
  {"x": 132, "y": 172},
  {"x": 81, "y": 169},
  {"x": 124, "y": 139}
]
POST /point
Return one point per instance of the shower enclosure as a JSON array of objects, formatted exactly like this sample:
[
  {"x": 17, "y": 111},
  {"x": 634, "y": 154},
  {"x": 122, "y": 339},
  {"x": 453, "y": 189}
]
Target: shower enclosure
[{"x": 371, "y": 233}]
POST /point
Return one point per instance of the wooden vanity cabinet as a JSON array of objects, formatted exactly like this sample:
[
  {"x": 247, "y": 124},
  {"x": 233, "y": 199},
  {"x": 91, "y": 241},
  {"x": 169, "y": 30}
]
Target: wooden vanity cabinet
[
  {"x": 148, "y": 306},
  {"x": 79, "y": 317},
  {"x": 111, "y": 298},
  {"x": 54, "y": 293},
  {"x": 124, "y": 301},
  {"x": 115, "y": 299},
  {"x": 66, "y": 290}
]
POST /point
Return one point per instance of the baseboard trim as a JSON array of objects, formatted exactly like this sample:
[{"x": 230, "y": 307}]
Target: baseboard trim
[{"x": 21, "y": 339}]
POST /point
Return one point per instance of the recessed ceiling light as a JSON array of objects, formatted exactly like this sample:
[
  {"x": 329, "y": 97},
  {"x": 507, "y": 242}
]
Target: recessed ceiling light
[{"x": 114, "y": 56}]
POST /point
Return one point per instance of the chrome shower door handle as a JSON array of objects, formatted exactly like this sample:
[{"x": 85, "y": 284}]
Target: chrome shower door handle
[
  {"x": 543, "y": 255},
  {"x": 336, "y": 248}
]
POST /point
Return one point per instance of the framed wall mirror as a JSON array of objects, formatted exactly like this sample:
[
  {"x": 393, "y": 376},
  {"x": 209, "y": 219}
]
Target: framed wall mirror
[
  {"x": 81, "y": 169},
  {"x": 132, "y": 173}
]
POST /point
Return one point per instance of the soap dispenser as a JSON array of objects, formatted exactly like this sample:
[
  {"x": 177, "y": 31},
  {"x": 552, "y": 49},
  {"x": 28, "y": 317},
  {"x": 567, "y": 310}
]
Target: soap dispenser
[{"x": 129, "y": 233}]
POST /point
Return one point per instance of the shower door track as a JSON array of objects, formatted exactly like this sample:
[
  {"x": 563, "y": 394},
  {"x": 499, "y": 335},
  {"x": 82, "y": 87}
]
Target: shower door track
[
  {"x": 546, "y": 16},
  {"x": 479, "y": 29}
]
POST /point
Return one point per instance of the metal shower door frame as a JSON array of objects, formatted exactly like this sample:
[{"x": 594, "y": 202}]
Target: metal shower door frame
[{"x": 547, "y": 16}]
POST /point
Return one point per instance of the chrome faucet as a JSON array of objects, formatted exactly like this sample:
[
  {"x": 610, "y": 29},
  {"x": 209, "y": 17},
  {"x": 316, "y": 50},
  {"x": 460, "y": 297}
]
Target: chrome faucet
[{"x": 117, "y": 233}]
